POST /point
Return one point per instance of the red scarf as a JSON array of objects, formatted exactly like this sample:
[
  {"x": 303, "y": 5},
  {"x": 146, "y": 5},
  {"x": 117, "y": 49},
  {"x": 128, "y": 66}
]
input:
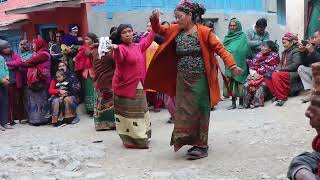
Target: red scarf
[{"x": 316, "y": 147}]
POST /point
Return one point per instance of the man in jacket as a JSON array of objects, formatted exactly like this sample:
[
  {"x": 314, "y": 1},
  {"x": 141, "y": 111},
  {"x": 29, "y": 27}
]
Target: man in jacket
[{"x": 310, "y": 53}]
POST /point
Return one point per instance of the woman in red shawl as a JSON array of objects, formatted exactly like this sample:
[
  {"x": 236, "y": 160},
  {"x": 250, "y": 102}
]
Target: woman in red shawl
[
  {"x": 84, "y": 66},
  {"x": 285, "y": 80},
  {"x": 38, "y": 79}
]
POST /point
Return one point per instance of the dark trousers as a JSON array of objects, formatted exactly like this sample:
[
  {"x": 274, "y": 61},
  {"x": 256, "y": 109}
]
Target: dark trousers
[{"x": 3, "y": 105}]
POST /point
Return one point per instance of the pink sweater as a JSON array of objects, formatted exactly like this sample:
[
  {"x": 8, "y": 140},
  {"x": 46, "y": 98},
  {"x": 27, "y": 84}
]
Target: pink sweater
[{"x": 130, "y": 66}]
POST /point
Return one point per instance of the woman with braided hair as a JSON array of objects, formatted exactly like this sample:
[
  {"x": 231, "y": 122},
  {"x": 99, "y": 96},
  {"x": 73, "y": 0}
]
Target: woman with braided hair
[{"x": 184, "y": 66}]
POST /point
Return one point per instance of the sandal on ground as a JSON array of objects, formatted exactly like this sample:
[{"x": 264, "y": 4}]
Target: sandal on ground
[
  {"x": 191, "y": 149},
  {"x": 23, "y": 121},
  {"x": 231, "y": 107},
  {"x": 274, "y": 99},
  {"x": 170, "y": 121},
  {"x": 197, "y": 153},
  {"x": 280, "y": 103},
  {"x": 241, "y": 107},
  {"x": 57, "y": 124}
]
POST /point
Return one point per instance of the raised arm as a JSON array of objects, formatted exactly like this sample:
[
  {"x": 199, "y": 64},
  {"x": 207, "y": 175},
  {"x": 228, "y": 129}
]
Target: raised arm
[
  {"x": 155, "y": 23},
  {"x": 35, "y": 60},
  {"x": 146, "y": 42}
]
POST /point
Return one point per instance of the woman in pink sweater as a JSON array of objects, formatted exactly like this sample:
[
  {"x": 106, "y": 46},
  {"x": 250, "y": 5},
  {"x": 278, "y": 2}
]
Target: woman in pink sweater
[{"x": 130, "y": 104}]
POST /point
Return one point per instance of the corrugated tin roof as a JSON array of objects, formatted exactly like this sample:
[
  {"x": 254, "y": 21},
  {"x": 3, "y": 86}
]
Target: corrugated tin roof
[{"x": 40, "y": 5}]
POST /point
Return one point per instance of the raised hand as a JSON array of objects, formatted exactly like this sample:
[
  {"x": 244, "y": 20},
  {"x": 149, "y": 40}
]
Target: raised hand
[{"x": 155, "y": 14}]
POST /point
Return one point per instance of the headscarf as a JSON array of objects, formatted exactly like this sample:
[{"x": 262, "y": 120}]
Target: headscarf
[
  {"x": 289, "y": 36},
  {"x": 196, "y": 9},
  {"x": 73, "y": 28},
  {"x": 25, "y": 46},
  {"x": 93, "y": 37},
  {"x": 272, "y": 45},
  {"x": 40, "y": 44},
  {"x": 4, "y": 44},
  {"x": 237, "y": 44},
  {"x": 119, "y": 30}
]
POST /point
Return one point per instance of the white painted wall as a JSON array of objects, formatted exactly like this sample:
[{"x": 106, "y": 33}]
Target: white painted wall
[{"x": 295, "y": 16}]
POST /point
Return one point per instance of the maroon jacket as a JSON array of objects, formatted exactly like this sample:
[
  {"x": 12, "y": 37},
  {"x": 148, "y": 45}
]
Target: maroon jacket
[{"x": 13, "y": 66}]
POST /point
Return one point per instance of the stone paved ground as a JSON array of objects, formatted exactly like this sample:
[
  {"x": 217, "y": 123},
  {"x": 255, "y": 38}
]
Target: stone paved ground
[{"x": 244, "y": 144}]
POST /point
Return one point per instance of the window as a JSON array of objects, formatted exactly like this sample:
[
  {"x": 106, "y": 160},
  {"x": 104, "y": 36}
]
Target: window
[
  {"x": 281, "y": 12},
  {"x": 1, "y": 1}
]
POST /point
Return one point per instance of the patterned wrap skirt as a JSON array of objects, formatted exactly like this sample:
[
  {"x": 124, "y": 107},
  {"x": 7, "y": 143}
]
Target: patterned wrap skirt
[
  {"x": 89, "y": 94},
  {"x": 133, "y": 120},
  {"x": 37, "y": 102},
  {"x": 104, "y": 114},
  {"x": 192, "y": 116},
  {"x": 66, "y": 107}
]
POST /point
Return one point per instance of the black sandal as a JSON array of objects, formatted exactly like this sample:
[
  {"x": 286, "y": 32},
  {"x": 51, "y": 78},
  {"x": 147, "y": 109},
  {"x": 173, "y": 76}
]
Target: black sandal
[
  {"x": 197, "y": 153},
  {"x": 191, "y": 149}
]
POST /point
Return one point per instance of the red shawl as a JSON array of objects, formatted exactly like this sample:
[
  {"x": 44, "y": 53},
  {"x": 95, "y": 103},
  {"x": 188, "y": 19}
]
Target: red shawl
[{"x": 81, "y": 60}]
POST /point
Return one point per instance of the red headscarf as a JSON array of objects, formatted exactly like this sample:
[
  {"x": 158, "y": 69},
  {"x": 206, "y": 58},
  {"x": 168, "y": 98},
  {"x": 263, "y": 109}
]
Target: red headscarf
[
  {"x": 41, "y": 44},
  {"x": 289, "y": 36}
]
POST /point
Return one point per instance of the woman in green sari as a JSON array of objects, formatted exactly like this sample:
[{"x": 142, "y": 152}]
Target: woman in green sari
[{"x": 237, "y": 44}]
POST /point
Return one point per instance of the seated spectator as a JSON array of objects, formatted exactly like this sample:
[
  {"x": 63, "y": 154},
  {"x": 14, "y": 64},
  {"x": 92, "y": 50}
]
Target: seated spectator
[
  {"x": 4, "y": 82},
  {"x": 264, "y": 64},
  {"x": 285, "y": 80},
  {"x": 257, "y": 34},
  {"x": 62, "y": 84},
  {"x": 56, "y": 52},
  {"x": 306, "y": 165},
  {"x": 70, "y": 100},
  {"x": 310, "y": 54}
]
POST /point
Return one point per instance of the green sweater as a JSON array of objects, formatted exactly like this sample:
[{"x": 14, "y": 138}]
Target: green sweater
[{"x": 4, "y": 71}]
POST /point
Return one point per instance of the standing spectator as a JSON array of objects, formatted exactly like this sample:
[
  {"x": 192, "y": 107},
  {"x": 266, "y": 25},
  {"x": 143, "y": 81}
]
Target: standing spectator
[
  {"x": 237, "y": 44},
  {"x": 39, "y": 77},
  {"x": 26, "y": 54},
  {"x": 4, "y": 82},
  {"x": 84, "y": 67},
  {"x": 104, "y": 67},
  {"x": 153, "y": 97},
  {"x": 310, "y": 54},
  {"x": 130, "y": 103},
  {"x": 72, "y": 37},
  {"x": 56, "y": 52},
  {"x": 285, "y": 80},
  {"x": 257, "y": 34},
  {"x": 71, "y": 45},
  {"x": 25, "y": 50},
  {"x": 17, "y": 110},
  {"x": 182, "y": 67}
]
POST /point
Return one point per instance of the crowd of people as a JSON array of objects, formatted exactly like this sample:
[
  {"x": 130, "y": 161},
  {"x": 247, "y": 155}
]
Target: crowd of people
[{"x": 172, "y": 65}]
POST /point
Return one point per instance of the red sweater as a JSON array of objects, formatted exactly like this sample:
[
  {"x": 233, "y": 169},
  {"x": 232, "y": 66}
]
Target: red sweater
[
  {"x": 52, "y": 88},
  {"x": 130, "y": 66}
]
